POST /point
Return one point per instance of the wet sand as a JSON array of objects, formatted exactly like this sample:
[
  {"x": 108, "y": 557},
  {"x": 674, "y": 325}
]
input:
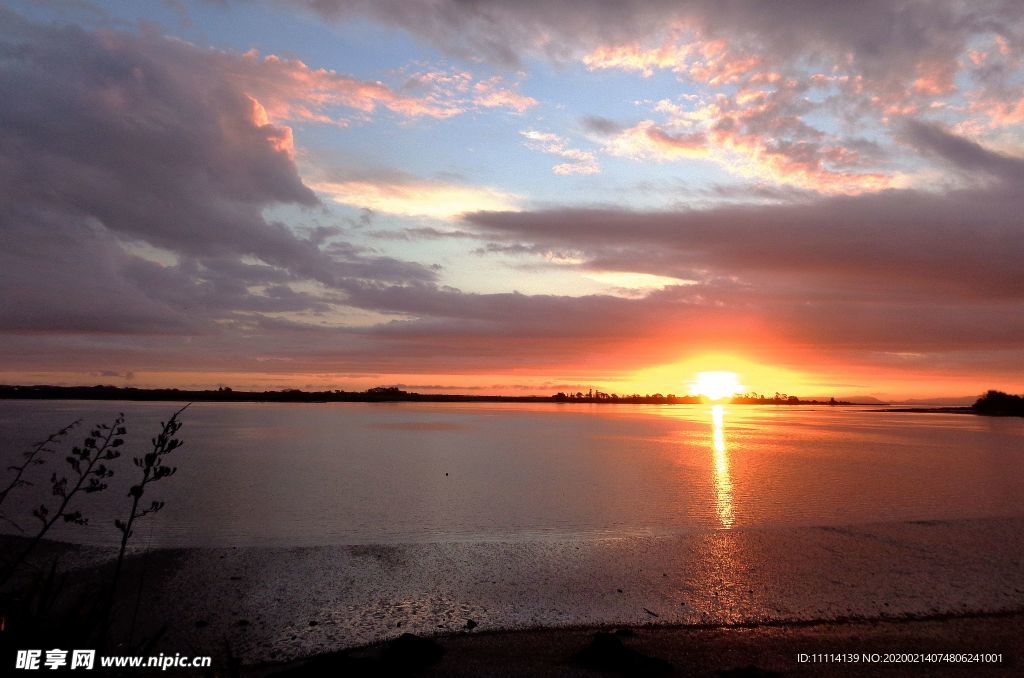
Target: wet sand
[
  {"x": 304, "y": 601},
  {"x": 280, "y": 604}
]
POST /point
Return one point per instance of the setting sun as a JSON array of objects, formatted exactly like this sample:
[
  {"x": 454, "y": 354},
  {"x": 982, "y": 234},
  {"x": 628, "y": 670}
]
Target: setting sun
[{"x": 716, "y": 385}]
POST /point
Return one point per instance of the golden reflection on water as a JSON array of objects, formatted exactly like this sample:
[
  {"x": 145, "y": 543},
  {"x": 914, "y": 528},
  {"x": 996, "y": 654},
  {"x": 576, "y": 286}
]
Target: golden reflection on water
[{"x": 723, "y": 481}]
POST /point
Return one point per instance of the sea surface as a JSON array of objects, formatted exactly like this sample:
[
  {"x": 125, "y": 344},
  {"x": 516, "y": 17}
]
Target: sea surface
[
  {"x": 283, "y": 475},
  {"x": 314, "y": 527}
]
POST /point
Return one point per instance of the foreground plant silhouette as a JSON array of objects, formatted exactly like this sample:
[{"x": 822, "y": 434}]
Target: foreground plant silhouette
[
  {"x": 31, "y": 458},
  {"x": 88, "y": 474},
  {"x": 36, "y": 607},
  {"x": 153, "y": 469}
]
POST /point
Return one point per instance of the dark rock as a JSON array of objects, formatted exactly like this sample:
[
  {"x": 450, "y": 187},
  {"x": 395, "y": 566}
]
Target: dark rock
[
  {"x": 405, "y": 655},
  {"x": 314, "y": 622},
  {"x": 607, "y": 653},
  {"x": 411, "y": 652},
  {"x": 336, "y": 664},
  {"x": 750, "y": 671},
  {"x": 470, "y": 624}
]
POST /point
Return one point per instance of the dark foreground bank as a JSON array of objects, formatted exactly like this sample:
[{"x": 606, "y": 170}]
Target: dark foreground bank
[{"x": 981, "y": 645}]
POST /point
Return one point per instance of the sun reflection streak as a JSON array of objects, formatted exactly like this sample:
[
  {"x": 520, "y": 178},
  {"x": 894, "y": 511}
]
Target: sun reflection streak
[{"x": 723, "y": 481}]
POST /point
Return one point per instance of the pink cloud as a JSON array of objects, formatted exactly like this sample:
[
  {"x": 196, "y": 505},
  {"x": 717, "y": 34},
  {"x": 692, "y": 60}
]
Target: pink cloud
[
  {"x": 491, "y": 93},
  {"x": 635, "y": 57},
  {"x": 579, "y": 161},
  {"x": 750, "y": 135},
  {"x": 289, "y": 89}
]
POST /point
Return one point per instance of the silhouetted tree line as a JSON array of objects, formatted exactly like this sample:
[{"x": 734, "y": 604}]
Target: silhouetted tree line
[
  {"x": 592, "y": 396},
  {"x": 595, "y": 396},
  {"x": 226, "y": 394},
  {"x": 754, "y": 398}
]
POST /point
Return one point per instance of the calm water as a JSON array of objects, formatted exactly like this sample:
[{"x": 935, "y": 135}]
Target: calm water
[{"x": 300, "y": 474}]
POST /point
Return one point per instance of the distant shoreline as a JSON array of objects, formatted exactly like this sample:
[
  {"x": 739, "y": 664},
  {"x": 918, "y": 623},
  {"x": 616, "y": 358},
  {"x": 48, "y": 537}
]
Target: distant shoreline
[
  {"x": 992, "y": 404},
  {"x": 374, "y": 395}
]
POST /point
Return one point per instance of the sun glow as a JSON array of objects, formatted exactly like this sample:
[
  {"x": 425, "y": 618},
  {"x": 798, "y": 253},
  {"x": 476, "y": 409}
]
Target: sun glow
[
  {"x": 716, "y": 385},
  {"x": 763, "y": 376}
]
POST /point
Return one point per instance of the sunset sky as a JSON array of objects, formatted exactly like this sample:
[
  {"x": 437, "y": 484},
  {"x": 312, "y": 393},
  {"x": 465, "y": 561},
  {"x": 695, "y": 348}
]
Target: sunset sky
[{"x": 513, "y": 197}]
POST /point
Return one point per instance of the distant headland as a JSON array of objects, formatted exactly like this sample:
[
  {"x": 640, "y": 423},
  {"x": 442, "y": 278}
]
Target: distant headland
[{"x": 992, "y": 404}]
